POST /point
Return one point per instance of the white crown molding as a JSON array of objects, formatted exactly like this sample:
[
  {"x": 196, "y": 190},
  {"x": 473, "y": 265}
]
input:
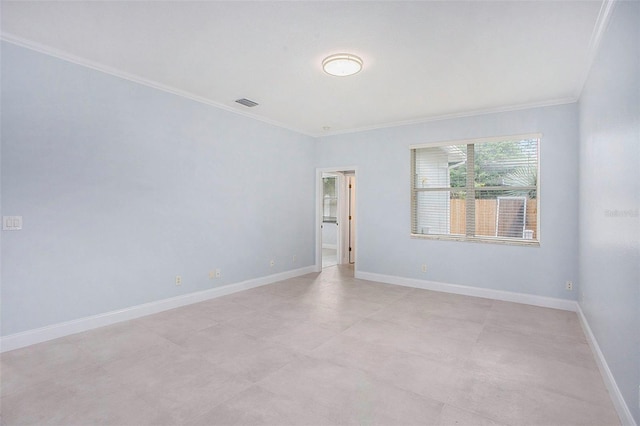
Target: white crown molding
[
  {"x": 507, "y": 296},
  {"x": 48, "y": 50},
  {"x": 43, "y": 334},
  {"x": 56, "y": 53},
  {"x": 616, "y": 396},
  {"x": 472, "y": 113}
]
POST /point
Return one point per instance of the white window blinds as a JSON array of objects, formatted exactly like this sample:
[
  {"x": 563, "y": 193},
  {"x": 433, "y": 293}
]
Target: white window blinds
[{"x": 483, "y": 190}]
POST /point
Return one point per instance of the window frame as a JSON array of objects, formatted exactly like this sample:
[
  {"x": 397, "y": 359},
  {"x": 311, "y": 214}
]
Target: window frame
[{"x": 481, "y": 238}]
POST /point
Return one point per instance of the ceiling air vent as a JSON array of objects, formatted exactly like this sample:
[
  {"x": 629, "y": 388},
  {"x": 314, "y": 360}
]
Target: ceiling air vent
[{"x": 246, "y": 102}]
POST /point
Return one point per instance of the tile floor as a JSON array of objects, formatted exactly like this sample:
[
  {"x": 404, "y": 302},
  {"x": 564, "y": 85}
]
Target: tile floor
[{"x": 323, "y": 349}]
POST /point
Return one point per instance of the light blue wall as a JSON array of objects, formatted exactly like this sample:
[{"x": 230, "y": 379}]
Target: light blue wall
[
  {"x": 383, "y": 161},
  {"x": 122, "y": 187},
  {"x": 610, "y": 200}
]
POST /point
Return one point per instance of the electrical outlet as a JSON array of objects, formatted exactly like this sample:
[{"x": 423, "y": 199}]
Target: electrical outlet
[
  {"x": 294, "y": 258},
  {"x": 178, "y": 280},
  {"x": 272, "y": 263},
  {"x": 424, "y": 267},
  {"x": 218, "y": 273},
  {"x": 568, "y": 286}
]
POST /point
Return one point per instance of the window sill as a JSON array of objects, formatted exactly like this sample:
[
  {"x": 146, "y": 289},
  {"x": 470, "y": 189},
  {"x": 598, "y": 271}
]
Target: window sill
[{"x": 487, "y": 240}]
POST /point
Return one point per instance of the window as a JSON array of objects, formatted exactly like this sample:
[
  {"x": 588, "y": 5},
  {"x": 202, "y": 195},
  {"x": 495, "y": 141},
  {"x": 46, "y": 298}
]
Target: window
[
  {"x": 478, "y": 190},
  {"x": 330, "y": 199}
]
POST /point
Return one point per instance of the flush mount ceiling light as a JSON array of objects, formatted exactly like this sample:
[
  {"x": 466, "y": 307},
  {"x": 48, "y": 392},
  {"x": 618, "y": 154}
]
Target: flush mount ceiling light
[{"x": 342, "y": 64}]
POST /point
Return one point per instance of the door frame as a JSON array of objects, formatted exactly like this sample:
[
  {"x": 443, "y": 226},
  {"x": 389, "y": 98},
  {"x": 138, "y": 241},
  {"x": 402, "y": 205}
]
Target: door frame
[
  {"x": 349, "y": 218},
  {"x": 341, "y": 201}
]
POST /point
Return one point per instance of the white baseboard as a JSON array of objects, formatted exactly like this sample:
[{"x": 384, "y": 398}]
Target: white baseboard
[
  {"x": 508, "y": 296},
  {"x": 616, "y": 396},
  {"x": 38, "y": 335}
]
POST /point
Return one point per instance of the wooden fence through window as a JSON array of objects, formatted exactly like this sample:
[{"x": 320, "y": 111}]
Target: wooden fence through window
[{"x": 486, "y": 217}]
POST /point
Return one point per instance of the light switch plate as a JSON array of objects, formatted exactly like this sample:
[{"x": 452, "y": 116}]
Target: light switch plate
[{"x": 11, "y": 223}]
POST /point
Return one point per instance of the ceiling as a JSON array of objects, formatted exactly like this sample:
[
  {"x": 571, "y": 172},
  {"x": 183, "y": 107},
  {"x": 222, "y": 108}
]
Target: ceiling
[{"x": 422, "y": 60}]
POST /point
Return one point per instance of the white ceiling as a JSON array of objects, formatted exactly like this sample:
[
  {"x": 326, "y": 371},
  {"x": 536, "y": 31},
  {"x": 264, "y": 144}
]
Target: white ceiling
[{"x": 422, "y": 60}]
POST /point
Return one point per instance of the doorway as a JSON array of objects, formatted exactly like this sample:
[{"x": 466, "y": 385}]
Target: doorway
[
  {"x": 331, "y": 183},
  {"x": 336, "y": 217}
]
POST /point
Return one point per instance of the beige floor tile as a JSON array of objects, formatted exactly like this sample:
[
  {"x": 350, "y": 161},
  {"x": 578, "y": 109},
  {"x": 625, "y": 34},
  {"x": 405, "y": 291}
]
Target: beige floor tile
[
  {"x": 413, "y": 340},
  {"x": 258, "y": 299},
  {"x": 183, "y": 386},
  {"x": 304, "y": 336},
  {"x": 453, "y": 306},
  {"x": 368, "y": 291},
  {"x": 90, "y": 382},
  {"x": 431, "y": 323},
  {"x": 38, "y": 405},
  {"x": 262, "y": 325},
  {"x": 332, "y": 274},
  {"x": 349, "y": 396},
  {"x": 524, "y": 318},
  {"x": 120, "y": 408},
  {"x": 334, "y": 318},
  {"x": 545, "y": 373},
  {"x": 295, "y": 288},
  {"x": 84, "y": 396},
  {"x": 512, "y": 402},
  {"x": 177, "y": 324},
  {"x": 254, "y": 366},
  {"x": 348, "y": 305},
  {"x": 185, "y": 401},
  {"x": 403, "y": 370},
  {"x": 219, "y": 343},
  {"x": 122, "y": 340},
  {"x": 337, "y": 319},
  {"x": 330, "y": 296},
  {"x": 421, "y": 296},
  {"x": 12, "y": 380},
  {"x": 246, "y": 356},
  {"x": 221, "y": 309},
  {"x": 257, "y": 406},
  {"x": 45, "y": 358},
  {"x": 352, "y": 352},
  {"x": 41, "y": 362},
  {"x": 147, "y": 373},
  {"x": 453, "y": 416},
  {"x": 558, "y": 347}
]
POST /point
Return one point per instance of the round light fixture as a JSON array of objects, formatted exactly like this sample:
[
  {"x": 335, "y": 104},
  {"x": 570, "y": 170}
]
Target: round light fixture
[{"x": 342, "y": 64}]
